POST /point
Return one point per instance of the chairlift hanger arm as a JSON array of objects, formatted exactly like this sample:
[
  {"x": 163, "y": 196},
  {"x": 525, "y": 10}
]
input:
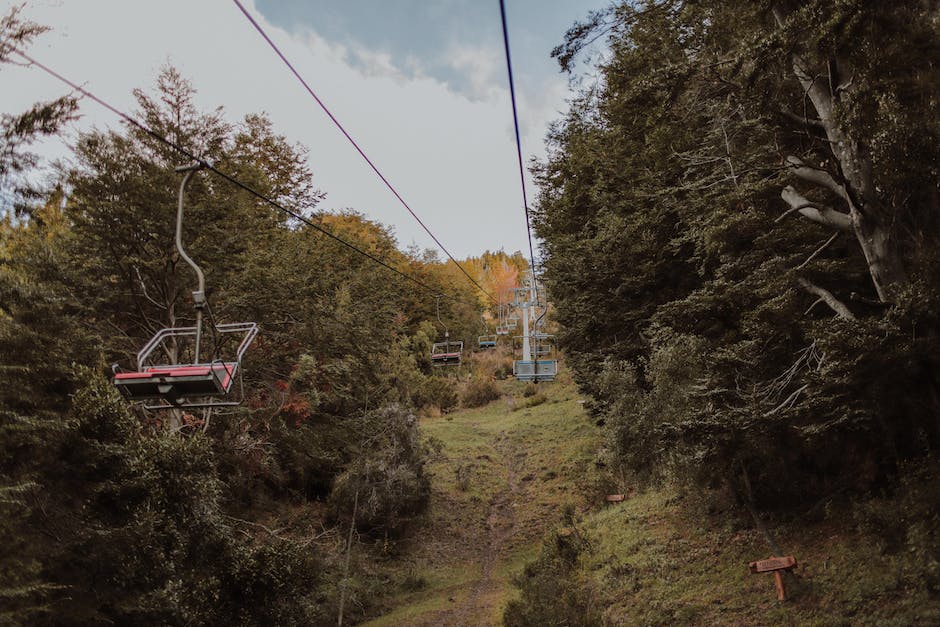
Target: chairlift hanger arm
[{"x": 201, "y": 290}]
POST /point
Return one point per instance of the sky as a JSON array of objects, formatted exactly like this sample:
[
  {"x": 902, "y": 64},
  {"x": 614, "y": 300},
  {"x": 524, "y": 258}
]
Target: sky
[{"x": 420, "y": 84}]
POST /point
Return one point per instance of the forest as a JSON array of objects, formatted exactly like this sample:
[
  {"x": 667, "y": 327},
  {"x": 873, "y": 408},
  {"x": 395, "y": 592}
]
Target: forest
[
  {"x": 740, "y": 219},
  {"x": 738, "y": 224}
]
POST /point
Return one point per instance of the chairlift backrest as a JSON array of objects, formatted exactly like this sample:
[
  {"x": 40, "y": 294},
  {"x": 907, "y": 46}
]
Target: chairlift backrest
[{"x": 446, "y": 353}]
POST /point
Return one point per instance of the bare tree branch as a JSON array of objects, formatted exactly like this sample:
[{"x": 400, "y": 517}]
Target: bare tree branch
[
  {"x": 787, "y": 402},
  {"x": 799, "y": 119},
  {"x": 817, "y": 176},
  {"x": 834, "y": 303},
  {"x": 815, "y": 211},
  {"x": 813, "y": 306},
  {"x": 818, "y": 250}
]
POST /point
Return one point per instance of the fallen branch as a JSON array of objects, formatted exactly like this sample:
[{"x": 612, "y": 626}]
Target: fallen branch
[{"x": 273, "y": 532}]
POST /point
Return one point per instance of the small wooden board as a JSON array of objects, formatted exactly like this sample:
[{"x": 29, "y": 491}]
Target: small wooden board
[
  {"x": 772, "y": 564},
  {"x": 615, "y": 498}
]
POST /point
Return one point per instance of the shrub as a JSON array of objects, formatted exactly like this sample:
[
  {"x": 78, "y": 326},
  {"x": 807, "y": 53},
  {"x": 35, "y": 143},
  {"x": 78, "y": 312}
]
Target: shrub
[
  {"x": 553, "y": 590},
  {"x": 438, "y": 392},
  {"x": 386, "y": 483},
  {"x": 462, "y": 476},
  {"x": 531, "y": 401},
  {"x": 143, "y": 514},
  {"x": 479, "y": 393},
  {"x": 908, "y": 523}
]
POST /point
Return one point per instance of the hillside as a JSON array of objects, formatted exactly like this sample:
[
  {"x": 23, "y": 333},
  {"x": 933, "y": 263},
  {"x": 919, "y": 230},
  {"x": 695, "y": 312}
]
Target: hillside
[
  {"x": 502, "y": 477},
  {"x": 248, "y": 413}
]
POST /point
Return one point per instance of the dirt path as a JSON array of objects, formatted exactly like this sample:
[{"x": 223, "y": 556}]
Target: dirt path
[
  {"x": 481, "y": 605},
  {"x": 499, "y": 484}
]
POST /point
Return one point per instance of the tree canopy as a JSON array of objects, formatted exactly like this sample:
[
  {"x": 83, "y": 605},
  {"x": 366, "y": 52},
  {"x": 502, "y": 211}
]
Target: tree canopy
[{"x": 740, "y": 222}]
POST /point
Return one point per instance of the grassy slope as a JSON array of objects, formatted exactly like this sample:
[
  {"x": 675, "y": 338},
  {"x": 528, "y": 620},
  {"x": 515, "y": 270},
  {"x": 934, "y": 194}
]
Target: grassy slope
[
  {"x": 523, "y": 466},
  {"x": 657, "y": 558}
]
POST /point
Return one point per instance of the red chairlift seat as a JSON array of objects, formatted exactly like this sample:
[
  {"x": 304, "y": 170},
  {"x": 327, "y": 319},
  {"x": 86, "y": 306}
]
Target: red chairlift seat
[
  {"x": 189, "y": 384},
  {"x": 198, "y": 383},
  {"x": 178, "y": 381}
]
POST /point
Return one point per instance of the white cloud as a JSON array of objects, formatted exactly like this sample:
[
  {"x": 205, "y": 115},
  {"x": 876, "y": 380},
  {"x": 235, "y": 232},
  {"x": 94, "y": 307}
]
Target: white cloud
[
  {"x": 483, "y": 68},
  {"x": 452, "y": 158}
]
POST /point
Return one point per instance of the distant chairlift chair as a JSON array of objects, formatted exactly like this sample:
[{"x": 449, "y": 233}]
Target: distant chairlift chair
[
  {"x": 487, "y": 341},
  {"x": 537, "y": 362},
  {"x": 198, "y": 383},
  {"x": 446, "y": 353}
]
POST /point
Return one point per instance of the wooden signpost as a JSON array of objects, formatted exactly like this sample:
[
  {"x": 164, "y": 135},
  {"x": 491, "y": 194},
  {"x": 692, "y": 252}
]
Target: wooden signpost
[{"x": 775, "y": 565}]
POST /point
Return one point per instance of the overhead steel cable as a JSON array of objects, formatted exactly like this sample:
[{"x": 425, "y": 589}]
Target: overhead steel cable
[
  {"x": 355, "y": 145},
  {"x": 208, "y": 166},
  {"x": 515, "y": 119}
]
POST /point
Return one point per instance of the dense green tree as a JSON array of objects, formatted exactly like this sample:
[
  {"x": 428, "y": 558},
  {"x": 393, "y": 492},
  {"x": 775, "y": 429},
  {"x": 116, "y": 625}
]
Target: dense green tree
[
  {"x": 114, "y": 517},
  {"x": 34, "y": 337},
  {"x": 19, "y": 131},
  {"x": 740, "y": 219}
]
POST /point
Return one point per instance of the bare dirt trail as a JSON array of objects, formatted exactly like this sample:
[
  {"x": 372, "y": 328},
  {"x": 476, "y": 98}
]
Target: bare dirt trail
[
  {"x": 483, "y": 604},
  {"x": 499, "y": 484}
]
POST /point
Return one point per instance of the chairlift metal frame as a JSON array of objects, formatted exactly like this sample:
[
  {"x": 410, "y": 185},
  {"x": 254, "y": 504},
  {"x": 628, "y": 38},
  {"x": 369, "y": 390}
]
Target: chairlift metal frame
[
  {"x": 537, "y": 361},
  {"x": 199, "y": 383},
  {"x": 446, "y": 353}
]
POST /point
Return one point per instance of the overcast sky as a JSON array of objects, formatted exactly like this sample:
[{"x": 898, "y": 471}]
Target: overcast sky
[{"x": 420, "y": 84}]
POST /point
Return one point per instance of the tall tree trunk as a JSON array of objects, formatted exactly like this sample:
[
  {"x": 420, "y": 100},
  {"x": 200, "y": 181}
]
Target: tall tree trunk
[{"x": 871, "y": 219}]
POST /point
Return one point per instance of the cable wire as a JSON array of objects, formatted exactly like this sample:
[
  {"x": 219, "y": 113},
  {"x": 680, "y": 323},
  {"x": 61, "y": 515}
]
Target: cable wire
[
  {"x": 515, "y": 120},
  {"x": 208, "y": 166},
  {"x": 355, "y": 145}
]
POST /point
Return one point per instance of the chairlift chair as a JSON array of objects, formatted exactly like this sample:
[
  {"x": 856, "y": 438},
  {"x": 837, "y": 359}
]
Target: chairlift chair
[
  {"x": 186, "y": 385},
  {"x": 543, "y": 366},
  {"x": 543, "y": 344},
  {"x": 198, "y": 382},
  {"x": 446, "y": 353},
  {"x": 539, "y": 364},
  {"x": 487, "y": 341}
]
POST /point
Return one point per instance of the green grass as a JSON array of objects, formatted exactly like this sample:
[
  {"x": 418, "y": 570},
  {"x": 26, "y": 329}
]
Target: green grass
[
  {"x": 658, "y": 558},
  {"x": 540, "y": 449}
]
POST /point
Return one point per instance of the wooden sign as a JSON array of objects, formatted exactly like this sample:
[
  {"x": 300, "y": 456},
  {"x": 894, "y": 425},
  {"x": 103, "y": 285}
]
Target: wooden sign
[
  {"x": 775, "y": 565},
  {"x": 614, "y": 498}
]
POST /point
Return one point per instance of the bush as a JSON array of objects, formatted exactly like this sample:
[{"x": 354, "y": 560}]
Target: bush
[
  {"x": 553, "y": 590},
  {"x": 531, "y": 401},
  {"x": 438, "y": 392},
  {"x": 143, "y": 515},
  {"x": 386, "y": 483},
  {"x": 479, "y": 393},
  {"x": 908, "y": 523}
]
